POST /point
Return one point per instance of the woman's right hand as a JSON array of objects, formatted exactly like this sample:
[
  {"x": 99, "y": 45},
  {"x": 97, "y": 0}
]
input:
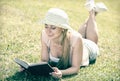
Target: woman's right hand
[{"x": 57, "y": 73}]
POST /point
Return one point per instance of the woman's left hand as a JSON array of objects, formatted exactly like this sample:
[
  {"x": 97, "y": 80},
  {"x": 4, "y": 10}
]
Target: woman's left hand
[{"x": 57, "y": 73}]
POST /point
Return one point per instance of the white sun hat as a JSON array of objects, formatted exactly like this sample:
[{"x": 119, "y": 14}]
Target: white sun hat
[{"x": 57, "y": 17}]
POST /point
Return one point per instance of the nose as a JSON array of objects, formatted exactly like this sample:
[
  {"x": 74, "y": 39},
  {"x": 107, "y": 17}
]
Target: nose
[{"x": 49, "y": 30}]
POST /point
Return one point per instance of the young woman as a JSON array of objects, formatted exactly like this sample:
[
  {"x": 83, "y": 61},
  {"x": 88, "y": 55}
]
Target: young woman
[{"x": 65, "y": 49}]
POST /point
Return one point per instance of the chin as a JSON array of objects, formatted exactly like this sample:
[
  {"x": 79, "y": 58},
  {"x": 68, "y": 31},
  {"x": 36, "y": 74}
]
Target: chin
[{"x": 50, "y": 37}]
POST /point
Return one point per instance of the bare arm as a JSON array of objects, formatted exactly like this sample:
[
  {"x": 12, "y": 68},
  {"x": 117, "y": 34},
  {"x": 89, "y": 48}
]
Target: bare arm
[
  {"x": 76, "y": 58},
  {"x": 44, "y": 50}
]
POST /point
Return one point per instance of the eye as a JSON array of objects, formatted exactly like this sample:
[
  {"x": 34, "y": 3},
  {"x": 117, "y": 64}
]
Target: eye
[
  {"x": 46, "y": 26},
  {"x": 53, "y": 27},
  {"x": 50, "y": 26}
]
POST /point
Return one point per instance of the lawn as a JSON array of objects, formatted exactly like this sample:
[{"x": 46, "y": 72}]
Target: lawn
[{"x": 20, "y": 35}]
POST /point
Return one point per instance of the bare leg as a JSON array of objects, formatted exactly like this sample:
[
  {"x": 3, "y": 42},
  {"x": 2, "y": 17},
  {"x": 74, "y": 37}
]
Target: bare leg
[
  {"x": 89, "y": 28},
  {"x": 82, "y": 29}
]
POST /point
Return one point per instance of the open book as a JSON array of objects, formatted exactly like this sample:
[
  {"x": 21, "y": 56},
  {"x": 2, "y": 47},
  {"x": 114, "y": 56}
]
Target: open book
[{"x": 42, "y": 68}]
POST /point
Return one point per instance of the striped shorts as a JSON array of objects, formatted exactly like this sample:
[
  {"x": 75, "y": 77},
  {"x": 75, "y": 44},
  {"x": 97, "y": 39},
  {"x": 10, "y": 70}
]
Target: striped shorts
[{"x": 93, "y": 50}]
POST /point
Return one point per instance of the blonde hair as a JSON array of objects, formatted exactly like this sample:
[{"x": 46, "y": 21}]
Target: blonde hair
[{"x": 64, "y": 60}]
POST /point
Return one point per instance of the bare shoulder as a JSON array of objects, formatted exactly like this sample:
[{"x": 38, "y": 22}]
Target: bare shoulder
[{"x": 75, "y": 38}]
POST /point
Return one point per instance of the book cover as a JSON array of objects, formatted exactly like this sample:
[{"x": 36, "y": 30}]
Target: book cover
[{"x": 42, "y": 68}]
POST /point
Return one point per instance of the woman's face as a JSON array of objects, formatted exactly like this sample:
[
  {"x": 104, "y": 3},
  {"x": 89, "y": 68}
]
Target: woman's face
[{"x": 53, "y": 31}]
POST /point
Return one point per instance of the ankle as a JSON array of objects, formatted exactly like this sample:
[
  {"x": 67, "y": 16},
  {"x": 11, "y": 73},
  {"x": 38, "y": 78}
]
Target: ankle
[{"x": 92, "y": 13}]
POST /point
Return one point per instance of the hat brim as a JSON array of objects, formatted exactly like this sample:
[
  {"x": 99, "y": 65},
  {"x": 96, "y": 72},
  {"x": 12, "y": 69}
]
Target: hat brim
[{"x": 64, "y": 26}]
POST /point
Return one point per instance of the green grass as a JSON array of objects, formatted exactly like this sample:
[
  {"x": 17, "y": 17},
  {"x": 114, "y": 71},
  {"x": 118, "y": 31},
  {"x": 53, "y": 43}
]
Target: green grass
[{"x": 20, "y": 37}]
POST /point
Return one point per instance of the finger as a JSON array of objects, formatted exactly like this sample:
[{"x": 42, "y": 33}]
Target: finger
[
  {"x": 56, "y": 75},
  {"x": 55, "y": 69}
]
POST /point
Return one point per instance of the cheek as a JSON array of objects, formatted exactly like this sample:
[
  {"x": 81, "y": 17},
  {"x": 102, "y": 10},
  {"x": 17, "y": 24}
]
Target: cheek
[
  {"x": 49, "y": 32},
  {"x": 58, "y": 33},
  {"x": 53, "y": 33}
]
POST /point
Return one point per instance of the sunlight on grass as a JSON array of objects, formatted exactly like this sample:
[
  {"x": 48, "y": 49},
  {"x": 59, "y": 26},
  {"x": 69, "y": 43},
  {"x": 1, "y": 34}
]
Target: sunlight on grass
[{"x": 20, "y": 37}]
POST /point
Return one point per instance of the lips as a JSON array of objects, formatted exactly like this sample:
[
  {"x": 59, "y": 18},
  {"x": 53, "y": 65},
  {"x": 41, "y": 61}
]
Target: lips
[{"x": 49, "y": 35}]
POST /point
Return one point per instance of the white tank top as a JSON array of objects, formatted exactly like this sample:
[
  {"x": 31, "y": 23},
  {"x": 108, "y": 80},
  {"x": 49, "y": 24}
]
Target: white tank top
[
  {"x": 54, "y": 59},
  {"x": 85, "y": 58}
]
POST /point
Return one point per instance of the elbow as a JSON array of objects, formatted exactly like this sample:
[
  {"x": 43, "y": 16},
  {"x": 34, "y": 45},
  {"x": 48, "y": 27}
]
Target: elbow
[
  {"x": 44, "y": 60},
  {"x": 76, "y": 70}
]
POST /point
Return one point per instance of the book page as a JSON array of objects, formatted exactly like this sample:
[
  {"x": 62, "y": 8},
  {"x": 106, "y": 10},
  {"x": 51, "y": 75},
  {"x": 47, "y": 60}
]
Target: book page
[{"x": 21, "y": 63}]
